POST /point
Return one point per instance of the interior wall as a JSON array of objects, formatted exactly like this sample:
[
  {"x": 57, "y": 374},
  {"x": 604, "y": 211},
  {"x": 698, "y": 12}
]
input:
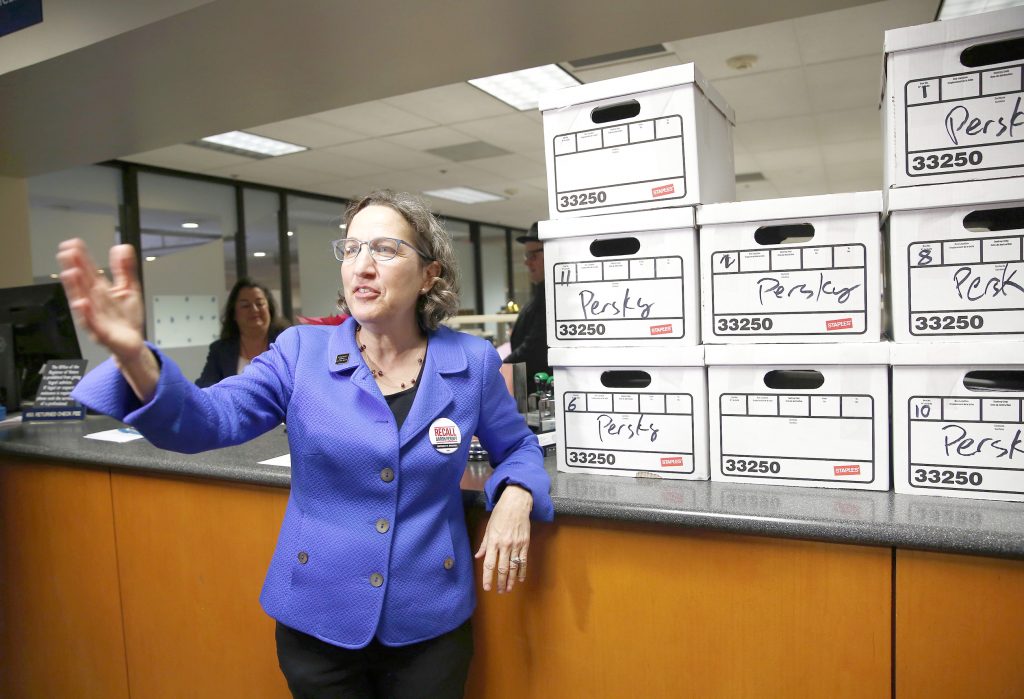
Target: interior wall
[{"x": 14, "y": 233}]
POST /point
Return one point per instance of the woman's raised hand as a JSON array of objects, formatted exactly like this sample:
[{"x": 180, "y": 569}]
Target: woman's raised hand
[{"x": 111, "y": 312}]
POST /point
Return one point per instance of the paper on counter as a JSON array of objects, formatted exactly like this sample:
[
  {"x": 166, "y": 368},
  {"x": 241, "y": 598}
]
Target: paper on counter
[
  {"x": 285, "y": 460},
  {"x": 121, "y": 434}
]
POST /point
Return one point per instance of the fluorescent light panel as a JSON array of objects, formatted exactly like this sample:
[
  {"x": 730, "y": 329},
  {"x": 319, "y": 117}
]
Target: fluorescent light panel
[
  {"x": 522, "y": 88},
  {"x": 251, "y": 144},
  {"x": 961, "y": 8},
  {"x": 463, "y": 195}
]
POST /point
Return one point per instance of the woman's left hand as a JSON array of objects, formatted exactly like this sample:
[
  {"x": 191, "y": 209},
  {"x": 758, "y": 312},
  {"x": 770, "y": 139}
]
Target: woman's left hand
[{"x": 507, "y": 539}]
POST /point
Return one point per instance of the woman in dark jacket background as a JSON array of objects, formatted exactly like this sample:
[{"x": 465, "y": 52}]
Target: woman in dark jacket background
[{"x": 248, "y": 326}]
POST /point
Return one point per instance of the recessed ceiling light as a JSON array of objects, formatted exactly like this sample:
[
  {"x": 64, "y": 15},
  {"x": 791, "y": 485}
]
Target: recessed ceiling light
[
  {"x": 342, "y": 226},
  {"x": 150, "y": 258},
  {"x": 291, "y": 233},
  {"x": 463, "y": 195},
  {"x": 250, "y": 144},
  {"x": 961, "y": 8},
  {"x": 54, "y": 276},
  {"x": 520, "y": 89},
  {"x": 744, "y": 61},
  {"x": 190, "y": 224},
  {"x": 259, "y": 254}
]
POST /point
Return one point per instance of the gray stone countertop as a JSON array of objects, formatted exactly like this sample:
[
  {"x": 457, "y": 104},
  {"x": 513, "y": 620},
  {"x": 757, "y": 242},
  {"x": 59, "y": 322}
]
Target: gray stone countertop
[{"x": 954, "y": 525}]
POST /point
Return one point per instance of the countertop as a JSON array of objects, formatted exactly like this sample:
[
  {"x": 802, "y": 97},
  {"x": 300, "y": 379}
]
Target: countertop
[{"x": 954, "y": 525}]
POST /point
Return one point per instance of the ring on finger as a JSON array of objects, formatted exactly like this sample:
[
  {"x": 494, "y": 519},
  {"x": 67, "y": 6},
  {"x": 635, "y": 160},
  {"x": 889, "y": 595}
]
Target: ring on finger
[{"x": 517, "y": 561}]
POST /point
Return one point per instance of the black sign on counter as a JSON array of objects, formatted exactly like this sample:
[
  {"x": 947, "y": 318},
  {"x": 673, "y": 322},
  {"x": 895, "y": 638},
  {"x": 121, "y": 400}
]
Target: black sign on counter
[
  {"x": 18, "y": 14},
  {"x": 53, "y": 400}
]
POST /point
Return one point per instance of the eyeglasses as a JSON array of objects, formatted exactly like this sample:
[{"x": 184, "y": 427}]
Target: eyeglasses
[{"x": 381, "y": 249}]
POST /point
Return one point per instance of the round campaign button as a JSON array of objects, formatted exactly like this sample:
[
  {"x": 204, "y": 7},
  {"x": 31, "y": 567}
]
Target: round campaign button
[{"x": 444, "y": 435}]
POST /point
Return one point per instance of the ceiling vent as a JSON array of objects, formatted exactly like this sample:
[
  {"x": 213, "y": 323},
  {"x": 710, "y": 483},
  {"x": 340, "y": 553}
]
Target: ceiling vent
[
  {"x": 475, "y": 150},
  {"x": 620, "y": 56},
  {"x": 745, "y": 177}
]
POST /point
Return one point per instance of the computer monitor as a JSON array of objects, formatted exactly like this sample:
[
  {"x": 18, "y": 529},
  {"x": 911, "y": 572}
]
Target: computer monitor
[{"x": 35, "y": 326}]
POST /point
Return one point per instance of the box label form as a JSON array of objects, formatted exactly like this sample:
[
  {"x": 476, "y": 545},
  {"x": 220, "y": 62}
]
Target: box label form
[
  {"x": 964, "y": 122},
  {"x": 798, "y": 437},
  {"x": 626, "y": 299},
  {"x": 966, "y": 444},
  {"x": 820, "y": 290},
  {"x": 628, "y": 163},
  {"x": 629, "y": 431},
  {"x": 966, "y": 286}
]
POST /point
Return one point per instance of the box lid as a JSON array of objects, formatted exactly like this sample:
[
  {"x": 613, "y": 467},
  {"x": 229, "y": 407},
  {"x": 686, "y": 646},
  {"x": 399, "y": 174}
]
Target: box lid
[
  {"x": 633, "y": 357},
  {"x": 629, "y": 222},
  {"x": 795, "y": 354},
  {"x": 934, "y": 33},
  {"x": 1007, "y": 189},
  {"x": 790, "y": 208},
  {"x": 957, "y": 353},
  {"x": 632, "y": 84}
]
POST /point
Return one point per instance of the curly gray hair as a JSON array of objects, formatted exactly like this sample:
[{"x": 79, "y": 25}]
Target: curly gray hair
[{"x": 442, "y": 301}]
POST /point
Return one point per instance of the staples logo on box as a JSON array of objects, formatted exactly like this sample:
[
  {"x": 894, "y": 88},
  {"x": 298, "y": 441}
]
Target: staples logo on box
[
  {"x": 839, "y": 324},
  {"x": 850, "y": 470},
  {"x": 661, "y": 329},
  {"x": 670, "y": 461},
  {"x": 663, "y": 190}
]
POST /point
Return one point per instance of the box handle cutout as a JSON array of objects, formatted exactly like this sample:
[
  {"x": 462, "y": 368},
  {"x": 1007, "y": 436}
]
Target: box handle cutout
[
  {"x": 615, "y": 112},
  {"x": 993, "y": 52},
  {"x": 993, "y": 380},
  {"x": 614, "y": 247},
  {"x": 788, "y": 233},
  {"x": 1007, "y": 219},
  {"x": 625, "y": 378},
  {"x": 786, "y": 379}
]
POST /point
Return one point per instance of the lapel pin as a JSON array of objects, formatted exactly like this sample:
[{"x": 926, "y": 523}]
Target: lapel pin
[{"x": 341, "y": 359}]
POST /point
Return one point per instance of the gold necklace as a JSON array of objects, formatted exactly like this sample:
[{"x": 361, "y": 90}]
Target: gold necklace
[{"x": 376, "y": 371}]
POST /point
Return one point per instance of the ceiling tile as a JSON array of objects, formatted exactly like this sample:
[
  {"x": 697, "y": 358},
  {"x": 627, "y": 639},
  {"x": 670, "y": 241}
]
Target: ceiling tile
[
  {"x": 375, "y": 119},
  {"x": 334, "y": 163},
  {"x": 857, "y": 31},
  {"x": 862, "y": 170},
  {"x": 756, "y": 190},
  {"x": 616, "y": 70},
  {"x": 854, "y": 152},
  {"x": 349, "y": 188},
  {"x": 789, "y": 160},
  {"x": 773, "y": 95},
  {"x": 845, "y": 84},
  {"x": 776, "y": 134},
  {"x": 843, "y": 182},
  {"x": 511, "y": 166},
  {"x": 849, "y": 125},
  {"x": 188, "y": 157},
  {"x": 275, "y": 171},
  {"x": 308, "y": 131},
  {"x": 774, "y": 45},
  {"x": 386, "y": 155},
  {"x": 513, "y": 132},
  {"x": 451, "y": 104}
]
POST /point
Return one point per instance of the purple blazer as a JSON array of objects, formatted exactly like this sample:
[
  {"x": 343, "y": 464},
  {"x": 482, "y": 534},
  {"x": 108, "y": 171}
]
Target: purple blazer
[{"x": 374, "y": 540}]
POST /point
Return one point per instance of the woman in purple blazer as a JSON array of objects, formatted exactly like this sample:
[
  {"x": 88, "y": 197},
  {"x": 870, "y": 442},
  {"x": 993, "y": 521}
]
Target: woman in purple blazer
[{"x": 371, "y": 582}]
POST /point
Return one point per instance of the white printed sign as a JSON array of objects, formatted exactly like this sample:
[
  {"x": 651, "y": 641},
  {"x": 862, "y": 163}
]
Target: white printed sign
[
  {"x": 185, "y": 321},
  {"x": 819, "y": 438},
  {"x": 620, "y": 299},
  {"x": 966, "y": 444},
  {"x": 628, "y": 431},
  {"x": 966, "y": 286},
  {"x": 628, "y": 163},
  {"x": 820, "y": 290},
  {"x": 964, "y": 122}
]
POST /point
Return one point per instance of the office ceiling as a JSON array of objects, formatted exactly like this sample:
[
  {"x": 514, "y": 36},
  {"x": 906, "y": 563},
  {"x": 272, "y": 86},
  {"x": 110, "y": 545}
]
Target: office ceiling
[{"x": 807, "y": 118}]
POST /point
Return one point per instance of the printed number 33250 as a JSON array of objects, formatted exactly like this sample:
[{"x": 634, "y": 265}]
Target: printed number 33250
[
  {"x": 568, "y": 201},
  {"x": 946, "y": 160}
]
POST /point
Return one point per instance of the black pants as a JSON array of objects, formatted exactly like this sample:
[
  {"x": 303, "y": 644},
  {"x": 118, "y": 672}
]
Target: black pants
[{"x": 316, "y": 670}]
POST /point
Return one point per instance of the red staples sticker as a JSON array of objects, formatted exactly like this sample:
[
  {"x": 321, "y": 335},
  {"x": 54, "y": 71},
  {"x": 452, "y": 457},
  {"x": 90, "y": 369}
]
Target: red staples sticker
[
  {"x": 850, "y": 470},
  {"x": 670, "y": 461},
  {"x": 839, "y": 324},
  {"x": 661, "y": 329},
  {"x": 663, "y": 190}
]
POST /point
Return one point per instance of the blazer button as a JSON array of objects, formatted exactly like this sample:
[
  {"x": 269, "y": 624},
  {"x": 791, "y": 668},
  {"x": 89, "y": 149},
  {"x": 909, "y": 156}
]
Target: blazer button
[
  {"x": 387, "y": 474},
  {"x": 303, "y": 557},
  {"x": 376, "y": 579},
  {"x": 382, "y": 525},
  {"x": 449, "y": 563}
]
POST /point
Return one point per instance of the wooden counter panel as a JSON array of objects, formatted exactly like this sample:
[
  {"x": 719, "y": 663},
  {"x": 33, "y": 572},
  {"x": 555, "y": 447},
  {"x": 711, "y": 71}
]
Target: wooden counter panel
[
  {"x": 60, "y": 607},
  {"x": 614, "y": 609},
  {"x": 192, "y": 557},
  {"x": 959, "y": 626}
]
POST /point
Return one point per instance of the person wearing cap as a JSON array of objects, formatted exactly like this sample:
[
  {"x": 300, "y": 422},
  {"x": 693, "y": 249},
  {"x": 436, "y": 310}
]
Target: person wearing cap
[{"x": 529, "y": 338}]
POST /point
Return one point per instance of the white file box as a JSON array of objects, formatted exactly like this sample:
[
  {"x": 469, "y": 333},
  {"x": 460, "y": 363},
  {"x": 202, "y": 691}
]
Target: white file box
[{"x": 632, "y": 411}]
